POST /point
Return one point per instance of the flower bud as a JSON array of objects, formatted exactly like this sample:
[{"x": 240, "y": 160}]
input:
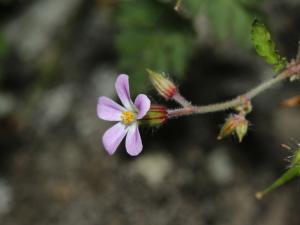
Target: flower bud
[
  {"x": 156, "y": 115},
  {"x": 164, "y": 86},
  {"x": 241, "y": 129},
  {"x": 228, "y": 127},
  {"x": 235, "y": 124}
]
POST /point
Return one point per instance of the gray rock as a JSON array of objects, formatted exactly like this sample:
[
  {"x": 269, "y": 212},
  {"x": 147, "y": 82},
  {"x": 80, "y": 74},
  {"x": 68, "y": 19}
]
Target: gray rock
[
  {"x": 33, "y": 31},
  {"x": 7, "y": 103},
  {"x": 103, "y": 81},
  {"x": 6, "y": 196},
  {"x": 286, "y": 124},
  {"x": 220, "y": 166},
  {"x": 54, "y": 106},
  {"x": 153, "y": 167}
]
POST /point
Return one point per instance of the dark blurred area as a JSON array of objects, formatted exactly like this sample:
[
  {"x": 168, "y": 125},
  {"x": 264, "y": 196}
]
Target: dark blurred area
[{"x": 58, "y": 56}]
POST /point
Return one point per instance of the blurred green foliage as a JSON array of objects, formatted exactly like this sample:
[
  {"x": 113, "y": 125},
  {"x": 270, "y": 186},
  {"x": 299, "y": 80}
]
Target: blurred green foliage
[
  {"x": 3, "y": 52},
  {"x": 7, "y": 2},
  {"x": 265, "y": 46},
  {"x": 230, "y": 19},
  {"x": 153, "y": 35}
]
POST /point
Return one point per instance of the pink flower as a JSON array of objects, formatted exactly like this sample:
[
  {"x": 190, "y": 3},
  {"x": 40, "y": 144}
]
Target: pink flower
[{"x": 127, "y": 117}]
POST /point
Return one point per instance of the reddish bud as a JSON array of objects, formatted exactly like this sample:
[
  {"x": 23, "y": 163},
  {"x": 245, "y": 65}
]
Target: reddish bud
[
  {"x": 156, "y": 115},
  {"x": 164, "y": 86}
]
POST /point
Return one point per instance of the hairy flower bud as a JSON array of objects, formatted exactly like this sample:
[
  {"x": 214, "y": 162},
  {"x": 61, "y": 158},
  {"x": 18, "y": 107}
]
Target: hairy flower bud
[
  {"x": 164, "y": 86},
  {"x": 241, "y": 129},
  {"x": 228, "y": 127},
  {"x": 235, "y": 124},
  {"x": 156, "y": 115}
]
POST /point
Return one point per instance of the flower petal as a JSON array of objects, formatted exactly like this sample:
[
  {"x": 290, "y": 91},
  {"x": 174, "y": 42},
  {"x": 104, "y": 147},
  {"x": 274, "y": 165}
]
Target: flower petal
[
  {"x": 134, "y": 144},
  {"x": 109, "y": 110},
  {"x": 122, "y": 88},
  {"x": 142, "y": 103},
  {"x": 113, "y": 137}
]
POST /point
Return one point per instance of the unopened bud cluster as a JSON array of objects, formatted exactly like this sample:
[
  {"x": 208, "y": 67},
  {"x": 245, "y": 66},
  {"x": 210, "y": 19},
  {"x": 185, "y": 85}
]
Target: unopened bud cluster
[{"x": 237, "y": 124}]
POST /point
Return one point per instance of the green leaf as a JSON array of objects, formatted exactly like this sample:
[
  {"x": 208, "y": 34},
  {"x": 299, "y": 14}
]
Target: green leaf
[{"x": 265, "y": 46}]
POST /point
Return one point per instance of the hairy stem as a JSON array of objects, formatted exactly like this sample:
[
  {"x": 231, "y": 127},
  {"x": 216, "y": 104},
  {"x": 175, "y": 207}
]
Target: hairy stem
[
  {"x": 239, "y": 100},
  {"x": 181, "y": 100}
]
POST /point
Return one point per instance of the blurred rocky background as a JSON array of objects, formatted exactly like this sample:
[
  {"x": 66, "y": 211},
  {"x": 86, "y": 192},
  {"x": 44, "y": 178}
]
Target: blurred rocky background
[{"x": 58, "y": 56}]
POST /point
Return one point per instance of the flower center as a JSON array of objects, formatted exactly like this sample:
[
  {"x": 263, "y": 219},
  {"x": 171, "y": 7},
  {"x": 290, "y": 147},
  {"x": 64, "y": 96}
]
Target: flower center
[{"x": 128, "y": 117}]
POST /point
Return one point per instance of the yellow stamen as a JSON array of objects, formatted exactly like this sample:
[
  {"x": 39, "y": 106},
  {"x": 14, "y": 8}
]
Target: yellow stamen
[{"x": 128, "y": 117}]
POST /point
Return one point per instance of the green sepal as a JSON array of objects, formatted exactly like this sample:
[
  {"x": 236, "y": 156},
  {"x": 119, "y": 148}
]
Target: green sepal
[
  {"x": 156, "y": 116},
  {"x": 265, "y": 46},
  {"x": 287, "y": 176}
]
